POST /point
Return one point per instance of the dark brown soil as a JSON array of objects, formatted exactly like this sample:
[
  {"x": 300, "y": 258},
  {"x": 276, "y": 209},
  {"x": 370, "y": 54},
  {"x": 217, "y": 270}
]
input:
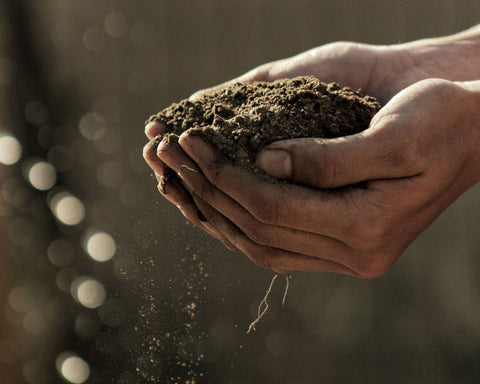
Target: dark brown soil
[{"x": 241, "y": 119}]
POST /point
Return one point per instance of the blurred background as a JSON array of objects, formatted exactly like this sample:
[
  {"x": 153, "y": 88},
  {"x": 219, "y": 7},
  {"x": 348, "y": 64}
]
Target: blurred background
[{"x": 102, "y": 281}]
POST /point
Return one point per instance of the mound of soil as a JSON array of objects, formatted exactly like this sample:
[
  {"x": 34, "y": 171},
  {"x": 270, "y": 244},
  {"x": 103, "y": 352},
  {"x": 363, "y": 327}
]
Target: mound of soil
[{"x": 243, "y": 118}]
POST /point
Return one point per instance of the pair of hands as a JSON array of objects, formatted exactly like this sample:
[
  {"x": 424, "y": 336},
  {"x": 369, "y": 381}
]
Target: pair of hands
[{"x": 418, "y": 155}]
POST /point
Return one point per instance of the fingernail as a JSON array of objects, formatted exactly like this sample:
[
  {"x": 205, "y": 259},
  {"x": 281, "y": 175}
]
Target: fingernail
[{"x": 275, "y": 162}]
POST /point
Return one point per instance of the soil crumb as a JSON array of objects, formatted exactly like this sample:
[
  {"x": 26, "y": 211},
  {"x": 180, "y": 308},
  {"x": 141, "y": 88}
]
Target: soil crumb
[{"x": 242, "y": 118}]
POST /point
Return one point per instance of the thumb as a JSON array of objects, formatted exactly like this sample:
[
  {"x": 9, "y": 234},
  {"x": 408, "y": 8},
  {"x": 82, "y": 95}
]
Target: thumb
[{"x": 330, "y": 163}]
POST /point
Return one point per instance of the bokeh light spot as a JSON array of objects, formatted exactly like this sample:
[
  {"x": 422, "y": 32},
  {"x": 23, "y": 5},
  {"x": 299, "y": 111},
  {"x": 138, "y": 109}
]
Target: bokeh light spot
[
  {"x": 34, "y": 372},
  {"x": 35, "y": 323},
  {"x": 36, "y": 112},
  {"x": 88, "y": 292},
  {"x": 10, "y": 150},
  {"x": 100, "y": 246},
  {"x": 67, "y": 208},
  {"x": 73, "y": 368},
  {"x": 61, "y": 252},
  {"x": 20, "y": 299},
  {"x": 116, "y": 24},
  {"x": 92, "y": 126},
  {"x": 42, "y": 175}
]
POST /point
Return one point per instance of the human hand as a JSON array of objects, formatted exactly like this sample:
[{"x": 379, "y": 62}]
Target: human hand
[
  {"x": 381, "y": 71},
  {"x": 352, "y": 64},
  {"x": 419, "y": 154},
  {"x": 354, "y": 61}
]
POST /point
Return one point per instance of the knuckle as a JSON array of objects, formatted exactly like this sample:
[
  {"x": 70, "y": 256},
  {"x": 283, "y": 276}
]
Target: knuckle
[
  {"x": 327, "y": 173},
  {"x": 258, "y": 233},
  {"x": 374, "y": 236},
  {"x": 322, "y": 164},
  {"x": 373, "y": 229},
  {"x": 252, "y": 231},
  {"x": 266, "y": 211}
]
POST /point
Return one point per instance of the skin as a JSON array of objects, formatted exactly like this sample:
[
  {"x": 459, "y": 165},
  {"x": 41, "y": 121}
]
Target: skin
[{"x": 418, "y": 156}]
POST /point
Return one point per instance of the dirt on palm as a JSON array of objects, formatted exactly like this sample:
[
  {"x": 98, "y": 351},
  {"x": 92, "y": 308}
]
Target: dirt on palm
[{"x": 240, "y": 119}]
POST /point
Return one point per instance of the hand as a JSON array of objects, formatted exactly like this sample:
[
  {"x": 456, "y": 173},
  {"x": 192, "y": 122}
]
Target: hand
[
  {"x": 377, "y": 70},
  {"x": 355, "y": 61},
  {"x": 380, "y": 71},
  {"x": 418, "y": 156}
]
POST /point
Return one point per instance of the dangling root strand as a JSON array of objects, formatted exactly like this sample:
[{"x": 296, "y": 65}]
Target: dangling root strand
[{"x": 264, "y": 302}]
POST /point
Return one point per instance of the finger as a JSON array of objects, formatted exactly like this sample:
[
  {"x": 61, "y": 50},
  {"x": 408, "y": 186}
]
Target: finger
[
  {"x": 171, "y": 188},
  {"x": 359, "y": 217},
  {"x": 334, "y": 214},
  {"x": 154, "y": 128},
  {"x": 330, "y": 163},
  {"x": 178, "y": 194},
  {"x": 296, "y": 241},
  {"x": 174, "y": 192},
  {"x": 150, "y": 156},
  {"x": 268, "y": 257},
  {"x": 190, "y": 210}
]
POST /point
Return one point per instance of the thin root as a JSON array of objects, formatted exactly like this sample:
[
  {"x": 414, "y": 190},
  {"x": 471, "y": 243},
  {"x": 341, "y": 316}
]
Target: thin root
[
  {"x": 288, "y": 276},
  {"x": 264, "y": 304}
]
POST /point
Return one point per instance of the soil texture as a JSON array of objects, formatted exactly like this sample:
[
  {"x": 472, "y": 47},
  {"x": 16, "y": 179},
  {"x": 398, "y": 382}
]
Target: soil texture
[{"x": 242, "y": 118}]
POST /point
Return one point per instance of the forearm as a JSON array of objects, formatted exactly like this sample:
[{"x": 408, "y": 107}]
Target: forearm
[
  {"x": 455, "y": 57},
  {"x": 468, "y": 126}
]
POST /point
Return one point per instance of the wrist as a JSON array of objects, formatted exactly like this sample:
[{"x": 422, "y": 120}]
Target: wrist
[{"x": 471, "y": 91}]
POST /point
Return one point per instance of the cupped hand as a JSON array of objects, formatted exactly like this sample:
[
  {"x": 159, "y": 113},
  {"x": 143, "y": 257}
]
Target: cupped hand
[
  {"x": 258, "y": 227},
  {"x": 380, "y": 71},
  {"x": 374, "y": 69},
  {"x": 417, "y": 157}
]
